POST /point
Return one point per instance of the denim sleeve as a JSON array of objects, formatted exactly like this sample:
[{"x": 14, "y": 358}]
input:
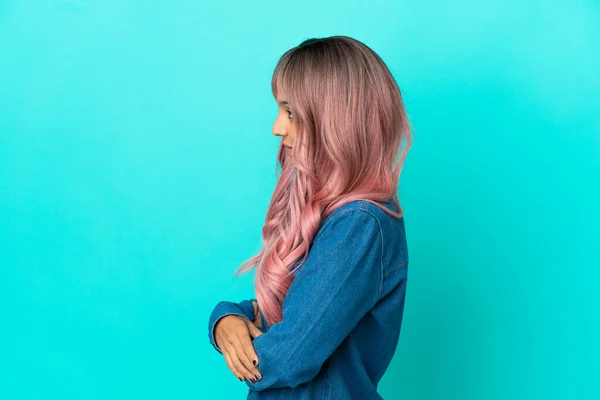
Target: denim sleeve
[
  {"x": 222, "y": 309},
  {"x": 338, "y": 284}
]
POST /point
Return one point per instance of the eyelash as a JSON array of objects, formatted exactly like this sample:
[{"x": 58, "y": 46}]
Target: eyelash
[{"x": 289, "y": 114}]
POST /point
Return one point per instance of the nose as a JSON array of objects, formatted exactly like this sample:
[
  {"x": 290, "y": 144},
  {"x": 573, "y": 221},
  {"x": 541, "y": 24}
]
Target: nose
[
  {"x": 278, "y": 129},
  {"x": 279, "y": 133}
]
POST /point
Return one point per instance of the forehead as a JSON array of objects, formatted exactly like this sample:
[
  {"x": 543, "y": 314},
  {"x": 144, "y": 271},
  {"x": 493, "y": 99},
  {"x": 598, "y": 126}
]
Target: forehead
[{"x": 281, "y": 98}]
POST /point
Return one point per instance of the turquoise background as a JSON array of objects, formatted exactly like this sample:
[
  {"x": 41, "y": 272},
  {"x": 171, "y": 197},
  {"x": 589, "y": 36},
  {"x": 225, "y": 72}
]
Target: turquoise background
[{"x": 137, "y": 163}]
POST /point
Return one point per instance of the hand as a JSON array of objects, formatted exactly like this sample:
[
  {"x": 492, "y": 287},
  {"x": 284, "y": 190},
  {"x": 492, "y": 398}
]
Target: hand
[
  {"x": 232, "y": 335},
  {"x": 257, "y": 321}
]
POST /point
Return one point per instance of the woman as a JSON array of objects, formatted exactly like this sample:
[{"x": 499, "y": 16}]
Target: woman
[{"x": 331, "y": 277}]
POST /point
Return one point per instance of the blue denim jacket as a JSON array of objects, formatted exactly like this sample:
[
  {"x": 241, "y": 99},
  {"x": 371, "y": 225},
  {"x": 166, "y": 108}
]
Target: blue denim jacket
[{"x": 342, "y": 314}]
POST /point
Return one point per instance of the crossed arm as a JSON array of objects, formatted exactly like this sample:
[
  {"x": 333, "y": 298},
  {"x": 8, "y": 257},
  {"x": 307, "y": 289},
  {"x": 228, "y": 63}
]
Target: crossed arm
[{"x": 338, "y": 284}]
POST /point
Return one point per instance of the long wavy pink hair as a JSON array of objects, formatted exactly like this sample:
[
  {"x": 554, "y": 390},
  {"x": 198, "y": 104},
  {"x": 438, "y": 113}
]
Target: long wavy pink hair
[{"x": 350, "y": 124}]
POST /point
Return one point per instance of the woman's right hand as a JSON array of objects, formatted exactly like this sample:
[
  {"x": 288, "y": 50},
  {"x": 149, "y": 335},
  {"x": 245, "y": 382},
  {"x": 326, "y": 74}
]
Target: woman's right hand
[{"x": 232, "y": 335}]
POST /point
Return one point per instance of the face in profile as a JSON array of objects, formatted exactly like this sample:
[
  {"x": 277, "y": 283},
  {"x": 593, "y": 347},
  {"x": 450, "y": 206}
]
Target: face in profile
[{"x": 284, "y": 123}]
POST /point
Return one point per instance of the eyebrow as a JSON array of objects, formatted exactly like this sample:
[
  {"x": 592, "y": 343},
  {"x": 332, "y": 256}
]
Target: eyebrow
[{"x": 284, "y": 103}]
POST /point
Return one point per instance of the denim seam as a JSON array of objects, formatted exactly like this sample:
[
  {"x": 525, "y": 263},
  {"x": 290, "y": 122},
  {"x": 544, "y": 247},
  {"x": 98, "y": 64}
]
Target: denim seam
[
  {"x": 382, "y": 277},
  {"x": 396, "y": 268}
]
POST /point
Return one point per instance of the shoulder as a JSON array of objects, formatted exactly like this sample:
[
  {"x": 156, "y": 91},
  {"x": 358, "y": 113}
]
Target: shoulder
[
  {"x": 364, "y": 218},
  {"x": 350, "y": 229},
  {"x": 356, "y": 216},
  {"x": 346, "y": 211},
  {"x": 360, "y": 209},
  {"x": 377, "y": 212}
]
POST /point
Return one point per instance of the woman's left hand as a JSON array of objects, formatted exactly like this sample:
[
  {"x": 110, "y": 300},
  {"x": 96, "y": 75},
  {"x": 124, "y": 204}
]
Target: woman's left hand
[
  {"x": 233, "y": 335},
  {"x": 257, "y": 320}
]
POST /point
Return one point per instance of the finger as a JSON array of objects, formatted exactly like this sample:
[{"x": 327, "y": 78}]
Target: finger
[
  {"x": 257, "y": 317},
  {"x": 249, "y": 350},
  {"x": 234, "y": 350},
  {"x": 237, "y": 365},
  {"x": 254, "y": 331},
  {"x": 232, "y": 367},
  {"x": 244, "y": 362}
]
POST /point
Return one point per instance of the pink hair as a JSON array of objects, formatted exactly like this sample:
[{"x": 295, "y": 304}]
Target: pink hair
[{"x": 350, "y": 123}]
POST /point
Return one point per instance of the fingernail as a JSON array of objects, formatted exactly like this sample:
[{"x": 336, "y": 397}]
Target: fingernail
[
  {"x": 252, "y": 380},
  {"x": 241, "y": 379},
  {"x": 254, "y": 362},
  {"x": 257, "y": 378}
]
